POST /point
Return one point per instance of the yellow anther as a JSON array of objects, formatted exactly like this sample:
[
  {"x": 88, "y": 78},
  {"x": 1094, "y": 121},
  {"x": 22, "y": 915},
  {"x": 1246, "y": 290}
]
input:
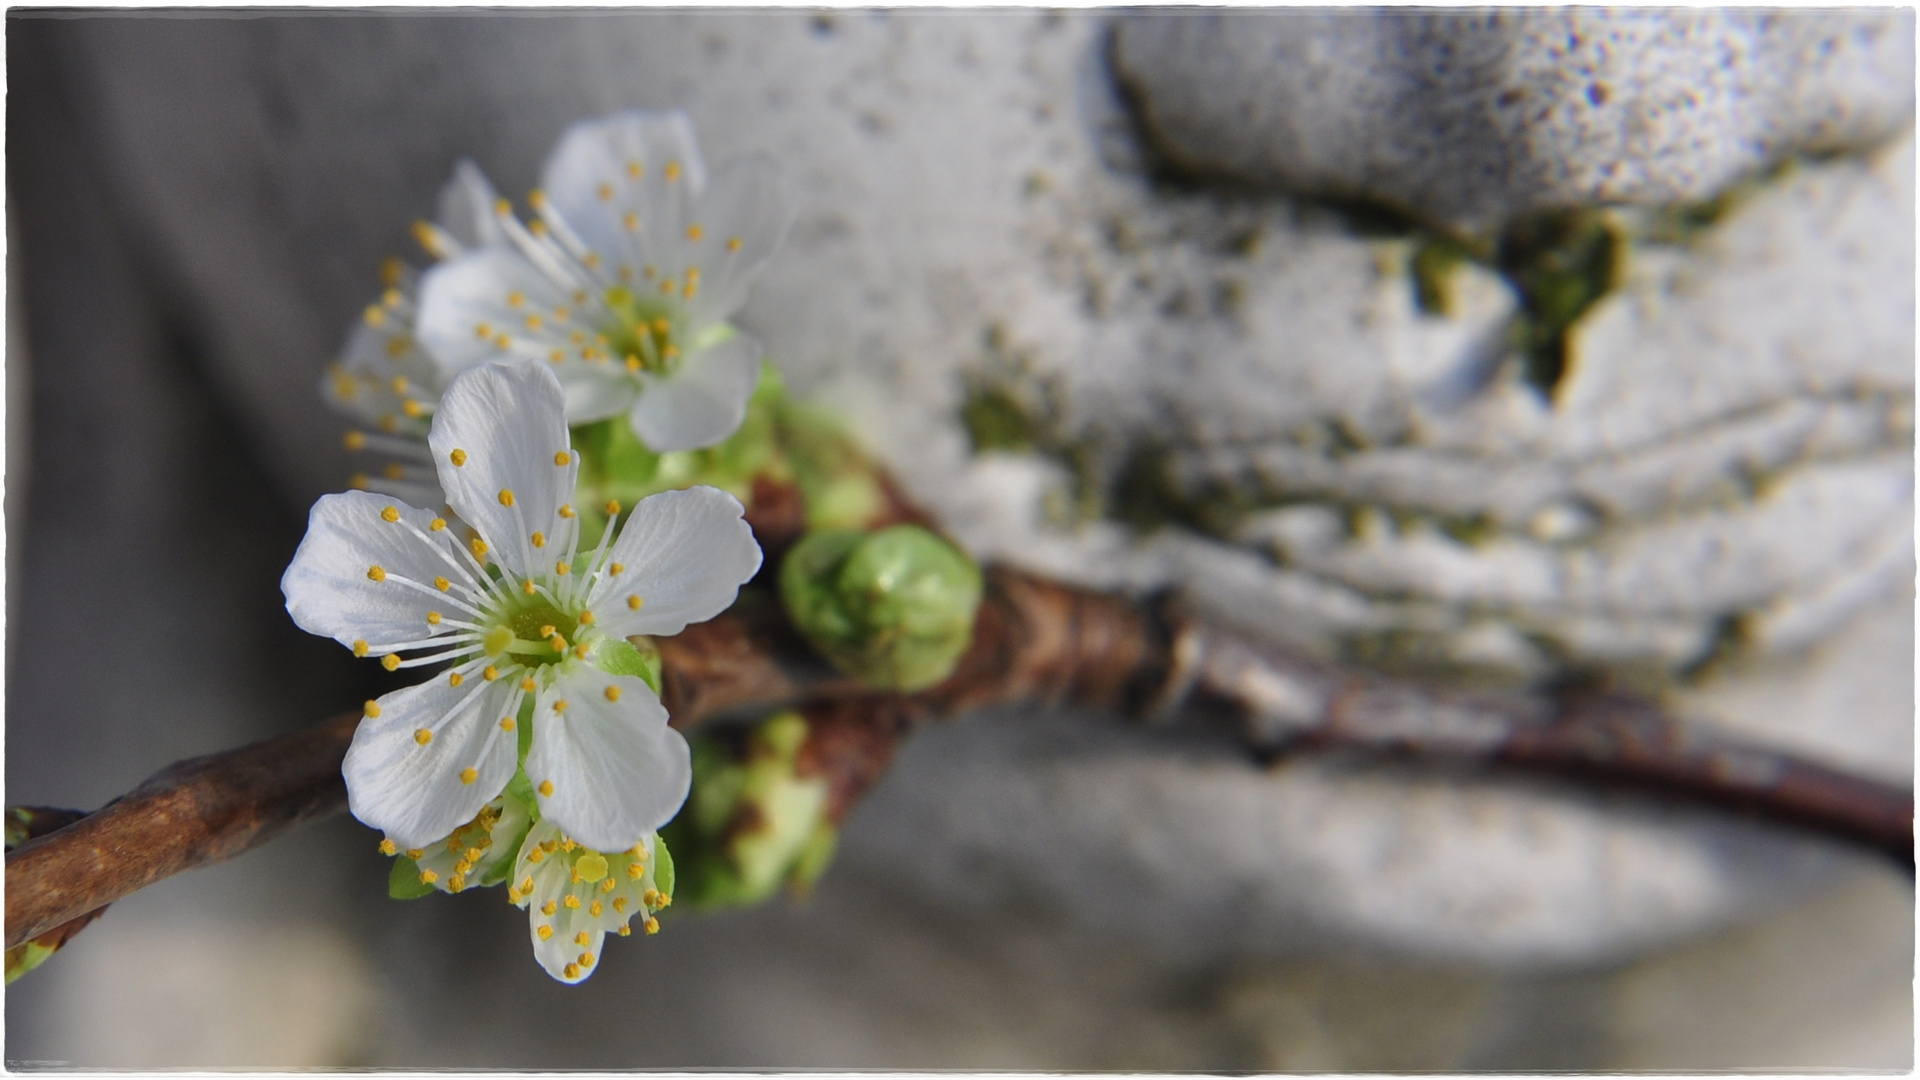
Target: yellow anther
[
  {"x": 560, "y": 704},
  {"x": 506, "y": 496},
  {"x": 546, "y": 631},
  {"x": 619, "y": 902},
  {"x": 733, "y": 243},
  {"x": 437, "y": 525},
  {"x": 399, "y": 382},
  {"x": 513, "y": 895},
  {"x": 667, "y": 287},
  {"x": 560, "y": 567},
  {"x": 473, "y": 855},
  {"x": 375, "y": 317},
  {"x": 454, "y": 678},
  {"x": 650, "y": 898},
  {"x": 661, "y": 325},
  {"x": 355, "y": 440},
  {"x": 458, "y": 457},
  {"x": 592, "y": 260},
  {"x": 546, "y": 788},
  {"x": 479, "y": 547},
  {"x": 583, "y": 938},
  {"x": 544, "y": 931},
  {"x": 442, "y": 584},
  {"x": 457, "y": 882},
  {"x": 581, "y": 651},
  {"x": 528, "y": 587},
  {"x": 414, "y": 853},
  {"x": 567, "y": 511},
  {"x": 612, "y": 507},
  {"x": 391, "y": 661},
  {"x": 433, "y": 618},
  {"x": 671, "y": 350},
  {"x": 665, "y": 900},
  {"x": 594, "y": 909},
  {"x": 537, "y": 199},
  {"x": 387, "y": 848},
  {"x": 502, "y": 207},
  {"x": 635, "y": 170},
  {"x": 423, "y": 736},
  {"x": 526, "y": 684},
  {"x": 633, "y": 364},
  {"x": 388, "y": 423},
  {"x": 624, "y": 930},
  {"x": 539, "y": 540},
  {"x": 695, "y": 232},
  {"x": 586, "y": 959},
  {"x": 653, "y": 925},
  {"x": 390, "y": 270},
  {"x": 536, "y": 855},
  {"x": 359, "y": 648},
  {"x": 556, "y": 356},
  {"x": 673, "y": 171},
  {"x": 571, "y": 971},
  {"x": 468, "y": 776},
  {"x": 606, "y": 885},
  {"x": 586, "y": 618},
  {"x": 516, "y": 298},
  {"x": 636, "y": 871},
  {"x": 618, "y": 568},
  {"x": 534, "y": 322},
  {"x": 606, "y": 192},
  {"x": 506, "y": 723},
  {"x": 526, "y": 886},
  {"x": 692, "y": 289},
  {"x": 411, "y": 408},
  {"x": 428, "y": 877},
  {"x": 549, "y": 907},
  {"x": 572, "y": 902},
  {"x": 626, "y": 272},
  {"x": 393, "y": 471},
  {"x": 491, "y": 673},
  {"x": 631, "y": 220},
  {"x": 634, "y": 602},
  {"x": 397, "y": 346},
  {"x": 613, "y": 693},
  {"x": 375, "y": 573}
]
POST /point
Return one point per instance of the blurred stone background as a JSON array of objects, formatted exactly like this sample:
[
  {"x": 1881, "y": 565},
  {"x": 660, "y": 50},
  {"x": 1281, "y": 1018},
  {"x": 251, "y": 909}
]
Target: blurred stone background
[{"x": 1259, "y": 306}]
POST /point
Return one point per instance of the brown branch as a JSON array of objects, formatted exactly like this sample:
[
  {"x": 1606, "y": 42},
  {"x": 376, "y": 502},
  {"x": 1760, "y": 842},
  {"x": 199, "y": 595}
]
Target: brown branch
[{"x": 1034, "y": 641}]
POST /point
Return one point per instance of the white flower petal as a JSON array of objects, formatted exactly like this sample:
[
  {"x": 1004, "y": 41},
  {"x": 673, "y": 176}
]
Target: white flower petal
[
  {"x": 596, "y": 391},
  {"x": 743, "y": 216},
  {"x": 506, "y": 427},
  {"x": 418, "y": 792},
  {"x": 467, "y": 208},
  {"x": 466, "y": 309},
  {"x": 684, "y": 554},
  {"x": 330, "y": 586},
  {"x": 703, "y": 402},
  {"x": 555, "y": 925},
  {"x": 589, "y": 178},
  {"x": 607, "y": 770}
]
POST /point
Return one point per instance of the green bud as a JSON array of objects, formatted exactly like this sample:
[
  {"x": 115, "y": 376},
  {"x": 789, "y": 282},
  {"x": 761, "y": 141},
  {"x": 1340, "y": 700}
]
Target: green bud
[
  {"x": 404, "y": 883},
  {"x": 751, "y": 824},
  {"x": 893, "y": 608}
]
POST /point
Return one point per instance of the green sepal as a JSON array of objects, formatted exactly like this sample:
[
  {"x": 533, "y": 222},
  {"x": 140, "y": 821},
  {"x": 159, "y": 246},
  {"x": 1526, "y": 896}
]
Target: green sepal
[
  {"x": 404, "y": 882},
  {"x": 503, "y": 869},
  {"x": 27, "y": 956},
  {"x": 616, "y": 656},
  {"x": 662, "y": 867}
]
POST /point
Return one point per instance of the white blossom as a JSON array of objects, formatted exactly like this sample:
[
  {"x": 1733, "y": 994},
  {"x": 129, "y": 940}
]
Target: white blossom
[
  {"x": 624, "y": 282},
  {"x": 575, "y": 894},
  {"x": 520, "y": 616}
]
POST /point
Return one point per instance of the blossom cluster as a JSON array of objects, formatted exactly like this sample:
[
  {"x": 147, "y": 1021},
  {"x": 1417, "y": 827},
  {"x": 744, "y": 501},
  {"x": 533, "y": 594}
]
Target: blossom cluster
[{"x": 540, "y": 755}]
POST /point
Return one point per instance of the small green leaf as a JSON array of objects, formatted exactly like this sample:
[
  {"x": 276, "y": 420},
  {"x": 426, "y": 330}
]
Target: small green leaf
[
  {"x": 662, "y": 866},
  {"x": 617, "y": 657},
  {"x": 404, "y": 882}
]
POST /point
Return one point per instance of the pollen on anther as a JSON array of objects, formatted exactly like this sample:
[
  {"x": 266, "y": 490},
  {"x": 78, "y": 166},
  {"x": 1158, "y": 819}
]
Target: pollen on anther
[
  {"x": 458, "y": 457},
  {"x": 733, "y": 243},
  {"x": 506, "y": 496},
  {"x": 572, "y": 902},
  {"x": 412, "y": 408},
  {"x": 394, "y": 471},
  {"x": 437, "y": 525},
  {"x": 562, "y": 458},
  {"x": 414, "y": 853},
  {"x": 606, "y": 192},
  {"x": 442, "y": 584},
  {"x": 560, "y": 705},
  {"x": 355, "y": 440},
  {"x": 479, "y": 547},
  {"x": 536, "y": 856},
  {"x": 634, "y": 602},
  {"x": 502, "y": 207},
  {"x": 547, "y": 630},
  {"x": 375, "y": 573},
  {"x": 612, "y": 507},
  {"x": 582, "y": 938},
  {"x": 653, "y": 925},
  {"x": 544, "y": 931},
  {"x": 549, "y": 907},
  {"x": 619, "y": 902},
  {"x": 566, "y": 511},
  {"x": 528, "y": 587},
  {"x": 636, "y": 871},
  {"x": 491, "y": 673},
  {"x": 506, "y": 723},
  {"x": 673, "y": 170},
  {"x": 454, "y": 678},
  {"x": 613, "y": 693},
  {"x": 586, "y": 618},
  {"x": 560, "y": 567},
  {"x": 359, "y": 648},
  {"x": 618, "y": 568},
  {"x": 571, "y": 971},
  {"x": 428, "y": 877},
  {"x": 387, "y": 847},
  {"x": 546, "y": 788},
  {"x": 433, "y": 618},
  {"x": 526, "y": 684},
  {"x": 539, "y": 540},
  {"x": 631, "y": 221},
  {"x": 372, "y": 709},
  {"x": 422, "y": 736},
  {"x": 469, "y": 775},
  {"x": 581, "y": 651},
  {"x": 635, "y": 170}
]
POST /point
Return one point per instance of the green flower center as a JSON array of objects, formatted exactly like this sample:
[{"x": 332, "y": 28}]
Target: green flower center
[
  {"x": 644, "y": 332},
  {"x": 534, "y": 631}
]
